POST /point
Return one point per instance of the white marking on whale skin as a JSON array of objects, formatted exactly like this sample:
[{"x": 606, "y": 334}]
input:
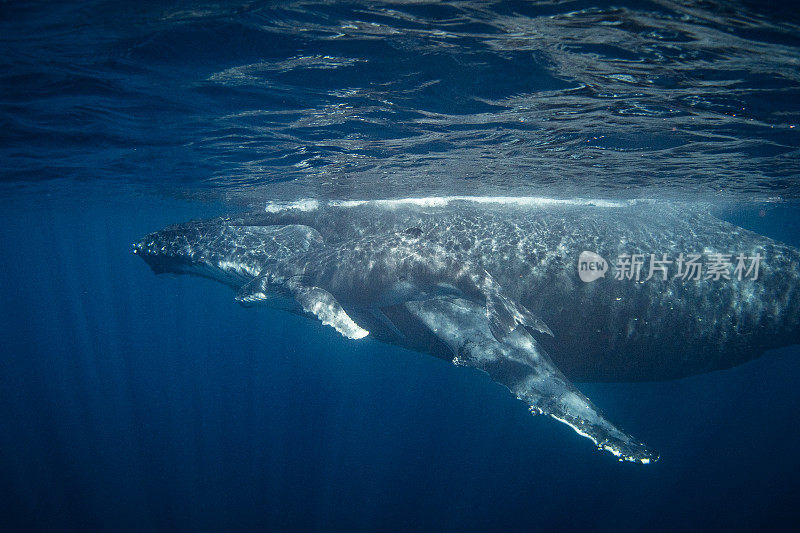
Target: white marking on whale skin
[
  {"x": 237, "y": 267},
  {"x": 308, "y": 204}
]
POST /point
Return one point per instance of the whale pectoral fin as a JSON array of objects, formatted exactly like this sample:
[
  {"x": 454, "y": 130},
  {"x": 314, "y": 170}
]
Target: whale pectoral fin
[
  {"x": 505, "y": 315},
  {"x": 561, "y": 400},
  {"x": 522, "y": 366},
  {"x": 324, "y": 306},
  {"x": 547, "y": 391},
  {"x": 313, "y": 300}
]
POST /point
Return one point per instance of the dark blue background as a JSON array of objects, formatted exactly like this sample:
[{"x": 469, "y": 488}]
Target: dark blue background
[{"x": 130, "y": 401}]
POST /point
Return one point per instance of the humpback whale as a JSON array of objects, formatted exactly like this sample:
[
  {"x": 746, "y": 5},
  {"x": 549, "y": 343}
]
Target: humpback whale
[{"x": 497, "y": 284}]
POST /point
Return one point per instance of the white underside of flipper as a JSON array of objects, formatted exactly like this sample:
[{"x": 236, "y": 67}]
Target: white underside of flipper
[
  {"x": 313, "y": 300},
  {"x": 324, "y": 306}
]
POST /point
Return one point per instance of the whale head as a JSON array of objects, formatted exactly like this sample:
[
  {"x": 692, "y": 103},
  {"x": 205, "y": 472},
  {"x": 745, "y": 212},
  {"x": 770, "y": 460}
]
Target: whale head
[{"x": 223, "y": 249}]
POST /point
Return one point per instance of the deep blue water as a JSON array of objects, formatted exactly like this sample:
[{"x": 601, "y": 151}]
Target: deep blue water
[
  {"x": 138, "y": 401},
  {"x": 131, "y": 401}
]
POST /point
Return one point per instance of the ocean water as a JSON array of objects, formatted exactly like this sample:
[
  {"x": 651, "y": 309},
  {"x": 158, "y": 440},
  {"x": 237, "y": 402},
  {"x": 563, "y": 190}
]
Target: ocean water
[{"x": 130, "y": 401}]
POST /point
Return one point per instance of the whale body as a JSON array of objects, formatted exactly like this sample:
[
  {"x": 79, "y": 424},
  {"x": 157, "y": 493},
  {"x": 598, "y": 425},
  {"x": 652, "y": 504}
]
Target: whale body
[
  {"x": 345, "y": 263},
  {"x": 377, "y": 272}
]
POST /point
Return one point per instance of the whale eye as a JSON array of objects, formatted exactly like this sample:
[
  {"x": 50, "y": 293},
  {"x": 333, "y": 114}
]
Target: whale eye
[{"x": 401, "y": 278}]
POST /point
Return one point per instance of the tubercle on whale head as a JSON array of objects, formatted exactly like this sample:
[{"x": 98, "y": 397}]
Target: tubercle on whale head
[
  {"x": 161, "y": 257},
  {"x": 140, "y": 249}
]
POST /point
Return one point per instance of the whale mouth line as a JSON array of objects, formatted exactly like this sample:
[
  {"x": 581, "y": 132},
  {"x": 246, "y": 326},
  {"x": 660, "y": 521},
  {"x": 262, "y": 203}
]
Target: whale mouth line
[{"x": 308, "y": 204}]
